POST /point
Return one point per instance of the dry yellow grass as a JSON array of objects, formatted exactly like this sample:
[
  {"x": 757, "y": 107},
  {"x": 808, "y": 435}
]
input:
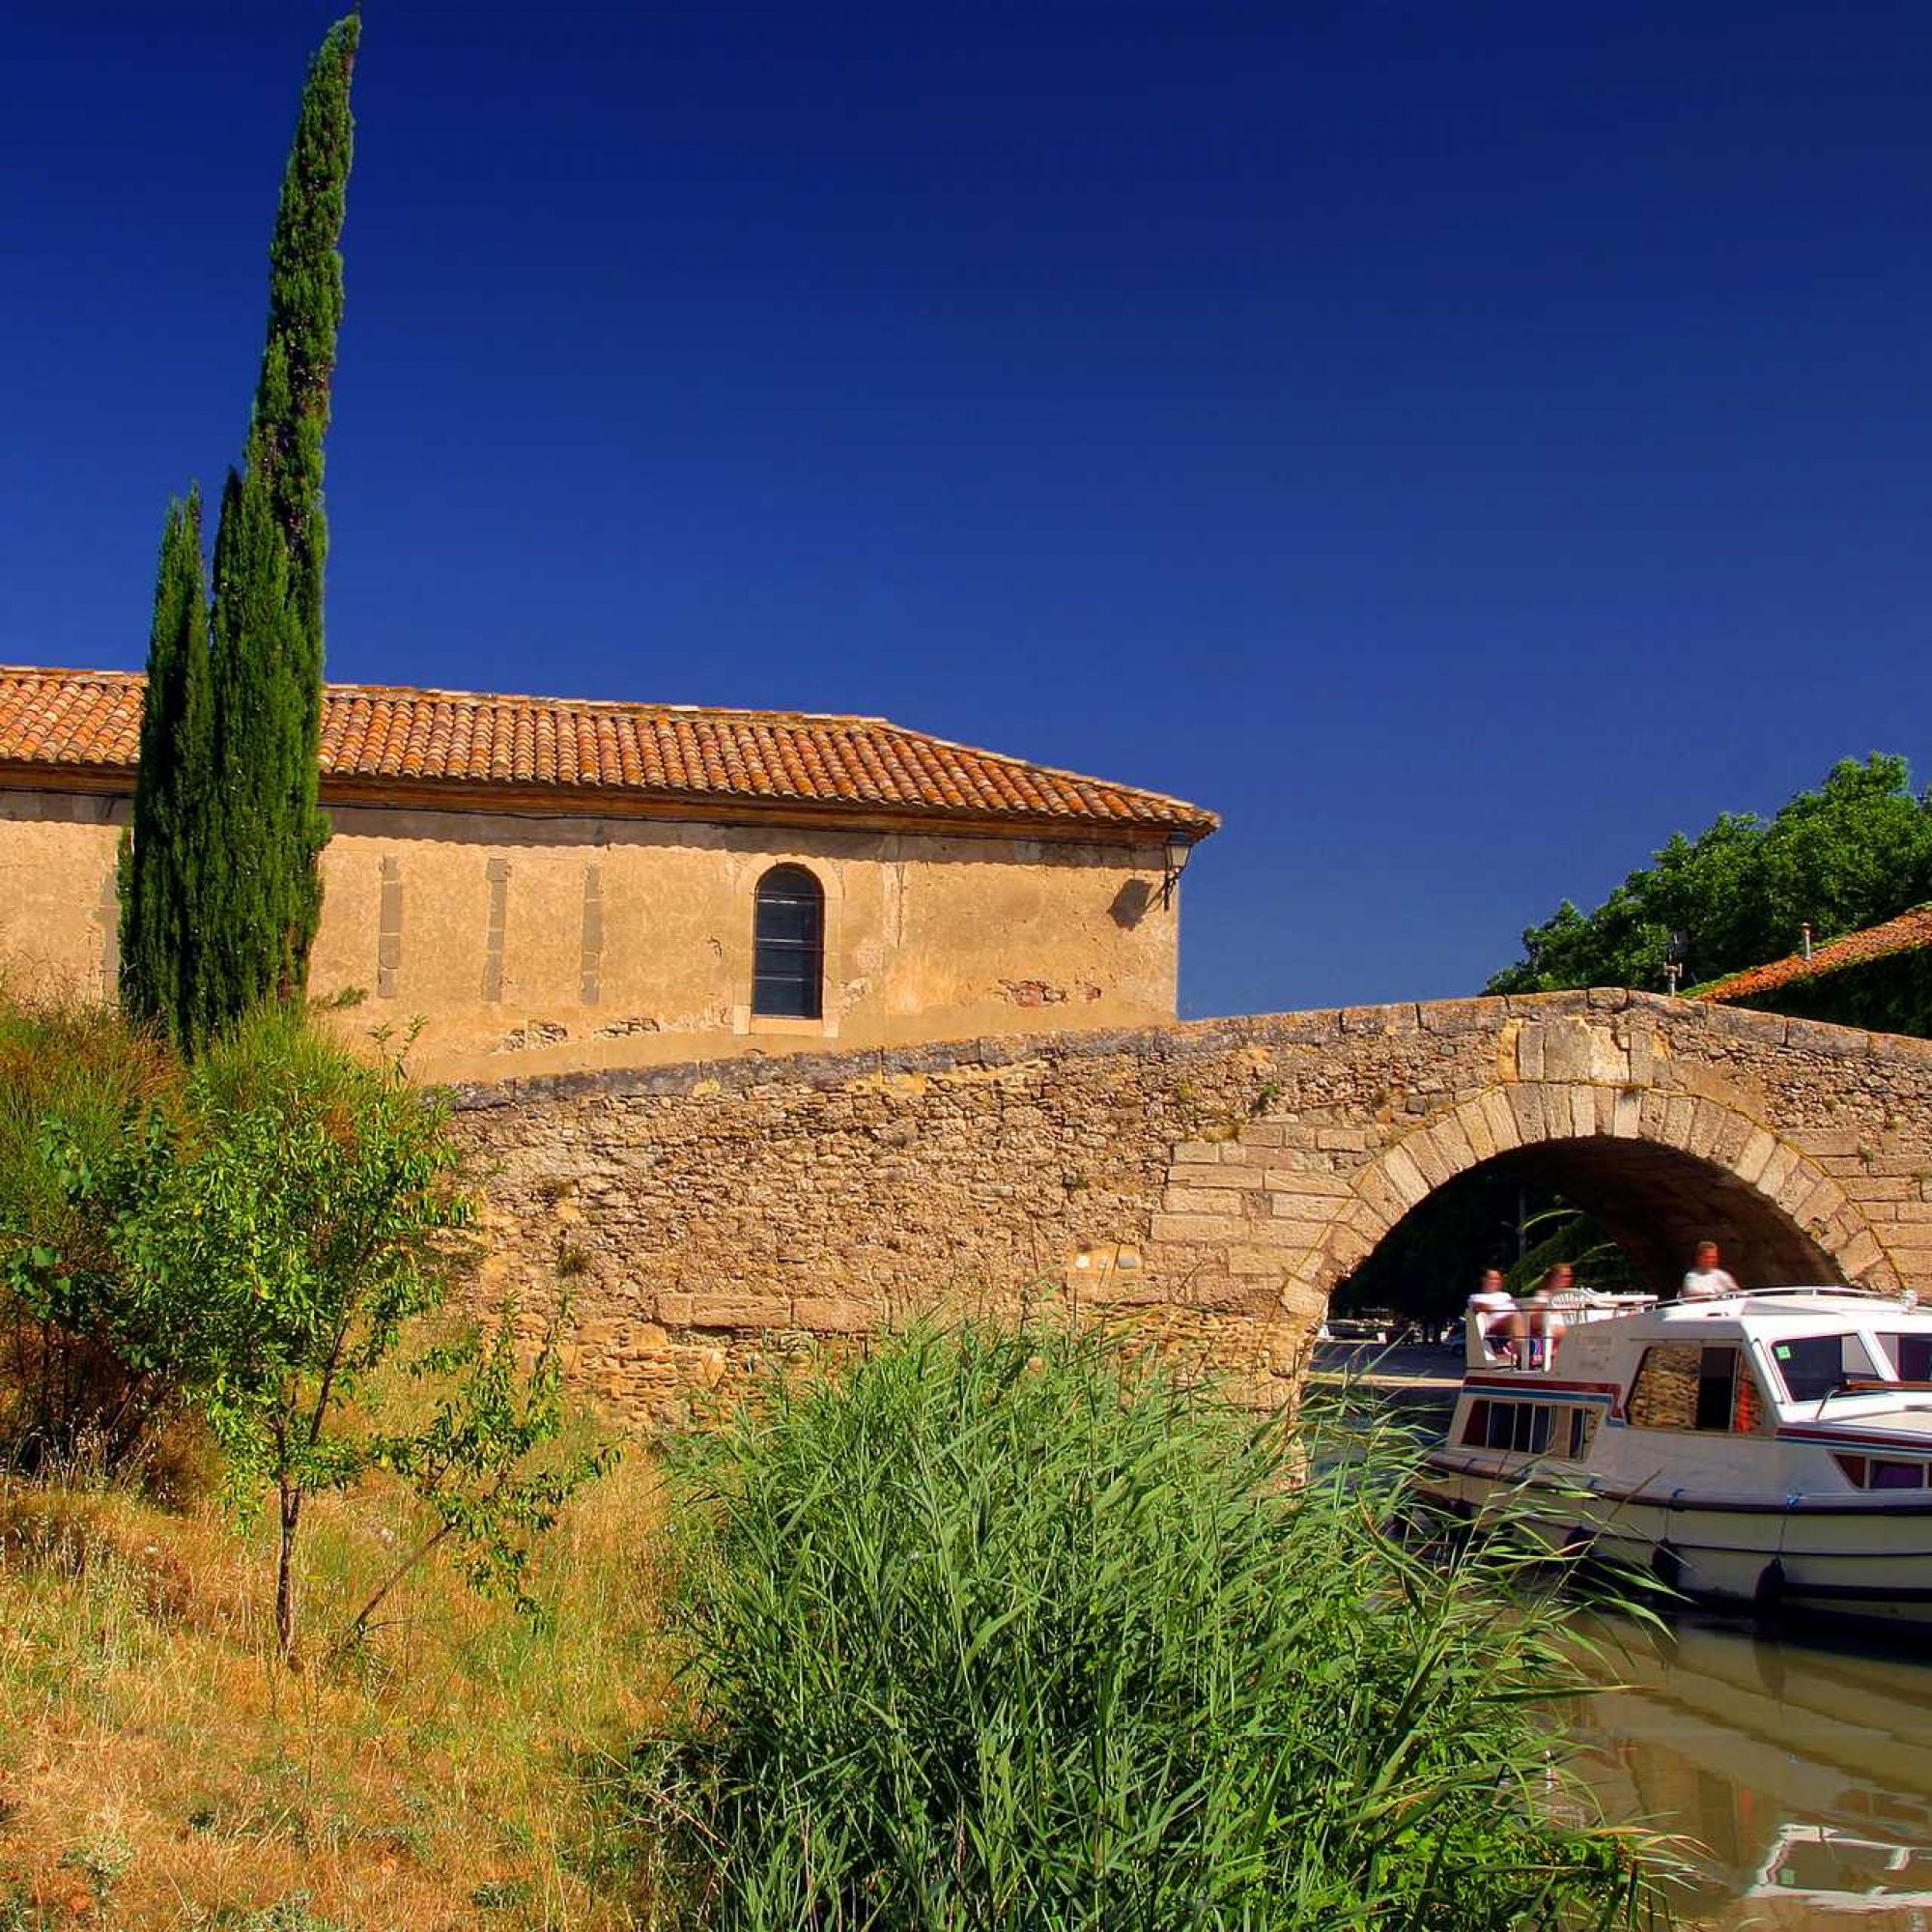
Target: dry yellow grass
[{"x": 159, "y": 1770}]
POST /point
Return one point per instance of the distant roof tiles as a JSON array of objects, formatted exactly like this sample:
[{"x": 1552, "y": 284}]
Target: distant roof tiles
[
  {"x": 591, "y": 751},
  {"x": 1907, "y": 933}
]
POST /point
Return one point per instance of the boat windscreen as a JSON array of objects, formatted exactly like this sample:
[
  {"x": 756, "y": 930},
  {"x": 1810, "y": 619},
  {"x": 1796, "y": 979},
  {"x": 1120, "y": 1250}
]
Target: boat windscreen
[
  {"x": 1812, "y": 1366},
  {"x": 1909, "y": 1356}
]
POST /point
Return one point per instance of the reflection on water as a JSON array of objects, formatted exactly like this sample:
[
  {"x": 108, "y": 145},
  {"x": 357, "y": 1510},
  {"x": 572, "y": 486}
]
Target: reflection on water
[{"x": 1803, "y": 1773}]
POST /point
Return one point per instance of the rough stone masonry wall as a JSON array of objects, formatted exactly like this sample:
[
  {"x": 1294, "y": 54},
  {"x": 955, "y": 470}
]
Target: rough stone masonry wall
[{"x": 1207, "y": 1181}]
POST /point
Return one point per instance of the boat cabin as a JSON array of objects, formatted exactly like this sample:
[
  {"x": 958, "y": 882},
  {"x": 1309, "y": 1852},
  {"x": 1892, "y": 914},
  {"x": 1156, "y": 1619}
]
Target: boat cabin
[{"x": 1774, "y": 1441}]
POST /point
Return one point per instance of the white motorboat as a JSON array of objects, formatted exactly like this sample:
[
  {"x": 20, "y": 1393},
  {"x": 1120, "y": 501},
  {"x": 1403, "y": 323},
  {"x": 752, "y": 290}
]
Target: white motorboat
[{"x": 1767, "y": 1450}]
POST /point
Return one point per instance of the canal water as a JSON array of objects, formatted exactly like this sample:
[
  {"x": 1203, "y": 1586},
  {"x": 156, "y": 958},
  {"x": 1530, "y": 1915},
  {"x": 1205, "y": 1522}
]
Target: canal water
[
  {"x": 1795, "y": 1770},
  {"x": 1799, "y": 1771}
]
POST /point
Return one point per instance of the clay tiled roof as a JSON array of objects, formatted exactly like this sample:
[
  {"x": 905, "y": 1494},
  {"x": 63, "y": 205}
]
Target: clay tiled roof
[
  {"x": 592, "y": 753},
  {"x": 1907, "y": 933}
]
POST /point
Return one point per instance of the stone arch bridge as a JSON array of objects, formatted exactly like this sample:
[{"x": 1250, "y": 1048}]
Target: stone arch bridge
[{"x": 1211, "y": 1181}]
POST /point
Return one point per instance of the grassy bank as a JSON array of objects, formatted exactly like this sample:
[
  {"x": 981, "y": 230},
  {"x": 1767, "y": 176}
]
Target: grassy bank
[
  {"x": 158, "y": 1768},
  {"x": 986, "y": 1630}
]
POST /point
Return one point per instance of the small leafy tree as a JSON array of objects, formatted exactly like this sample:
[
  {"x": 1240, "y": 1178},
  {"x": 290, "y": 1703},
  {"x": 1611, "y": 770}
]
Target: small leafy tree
[
  {"x": 288, "y": 1227},
  {"x": 300, "y": 1215}
]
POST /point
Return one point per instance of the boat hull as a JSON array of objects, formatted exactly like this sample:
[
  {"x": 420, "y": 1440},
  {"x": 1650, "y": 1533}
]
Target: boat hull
[{"x": 1799, "y": 1557}]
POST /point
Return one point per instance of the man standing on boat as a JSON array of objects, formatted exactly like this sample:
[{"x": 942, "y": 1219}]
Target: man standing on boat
[{"x": 1707, "y": 1279}]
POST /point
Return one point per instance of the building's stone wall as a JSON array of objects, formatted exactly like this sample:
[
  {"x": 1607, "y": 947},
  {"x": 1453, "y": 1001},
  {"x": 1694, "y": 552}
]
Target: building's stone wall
[
  {"x": 1209, "y": 1181},
  {"x": 549, "y": 944}
]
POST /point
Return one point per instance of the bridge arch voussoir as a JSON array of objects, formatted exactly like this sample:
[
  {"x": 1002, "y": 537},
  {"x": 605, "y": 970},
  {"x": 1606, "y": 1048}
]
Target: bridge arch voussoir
[{"x": 1680, "y": 1160}]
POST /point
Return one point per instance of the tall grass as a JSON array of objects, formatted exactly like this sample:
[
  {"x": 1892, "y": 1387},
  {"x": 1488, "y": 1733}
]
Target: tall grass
[{"x": 1011, "y": 1630}]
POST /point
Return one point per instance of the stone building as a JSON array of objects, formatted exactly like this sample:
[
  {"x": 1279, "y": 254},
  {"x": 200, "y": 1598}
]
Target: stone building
[{"x": 555, "y": 884}]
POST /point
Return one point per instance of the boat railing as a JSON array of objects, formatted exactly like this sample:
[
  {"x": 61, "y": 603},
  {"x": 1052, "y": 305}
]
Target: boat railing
[
  {"x": 1538, "y": 1327},
  {"x": 1907, "y": 1297},
  {"x": 1857, "y": 1385}
]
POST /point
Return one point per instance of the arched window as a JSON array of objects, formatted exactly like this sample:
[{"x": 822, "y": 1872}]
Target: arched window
[{"x": 789, "y": 958}]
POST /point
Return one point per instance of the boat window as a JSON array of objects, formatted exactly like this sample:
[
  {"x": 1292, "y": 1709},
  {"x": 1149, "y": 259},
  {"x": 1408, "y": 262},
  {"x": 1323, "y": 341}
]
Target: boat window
[
  {"x": 1812, "y": 1366},
  {"x": 1521, "y": 1426},
  {"x": 1909, "y": 1356},
  {"x": 1875, "y": 1472},
  {"x": 1695, "y": 1386},
  {"x": 1896, "y": 1475},
  {"x": 1580, "y": 1432},
  {"x": 1716, "y": 1386}
]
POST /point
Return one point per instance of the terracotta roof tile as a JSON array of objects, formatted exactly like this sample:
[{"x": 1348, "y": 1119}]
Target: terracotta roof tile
[
  {"x": 1907, "y": 933},
  {"x": 85, "y": 720}
]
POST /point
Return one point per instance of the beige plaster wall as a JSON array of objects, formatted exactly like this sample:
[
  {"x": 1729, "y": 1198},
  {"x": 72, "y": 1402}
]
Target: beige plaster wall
[
  {"x": 57, "y": 926},
  {"x": 538, "y": 945}
]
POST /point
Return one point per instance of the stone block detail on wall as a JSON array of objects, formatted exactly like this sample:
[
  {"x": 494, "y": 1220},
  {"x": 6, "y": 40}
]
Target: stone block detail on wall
[
  {"x": 590, "y": 939},
  {"x": 107, "y": 909},
  {"x": 389, "y": 930},
  {"x": 498, "y": 873}
]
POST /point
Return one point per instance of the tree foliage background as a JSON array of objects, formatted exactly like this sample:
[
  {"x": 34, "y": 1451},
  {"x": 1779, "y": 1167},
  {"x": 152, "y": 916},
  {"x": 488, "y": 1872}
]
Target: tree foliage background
[{"x": 1856, "y": 852}]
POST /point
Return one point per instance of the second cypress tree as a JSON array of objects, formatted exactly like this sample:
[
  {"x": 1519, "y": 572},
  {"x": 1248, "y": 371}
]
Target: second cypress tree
[{"x": 162, "y": 877}]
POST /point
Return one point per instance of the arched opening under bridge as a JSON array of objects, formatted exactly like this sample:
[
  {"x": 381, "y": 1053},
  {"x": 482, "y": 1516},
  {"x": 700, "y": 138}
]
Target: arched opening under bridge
[
  {"x": 1659, "y": 1173},
  {"x": 1655, "y": 1203}
]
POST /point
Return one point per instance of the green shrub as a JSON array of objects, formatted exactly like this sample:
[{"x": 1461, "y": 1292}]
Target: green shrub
[
  {"x": 76, "y": 1380},
  {"x": 1011, "y": 1630}
]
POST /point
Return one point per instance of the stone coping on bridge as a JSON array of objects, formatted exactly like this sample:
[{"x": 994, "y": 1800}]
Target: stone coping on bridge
[{"x": 1191, "y": 1039}]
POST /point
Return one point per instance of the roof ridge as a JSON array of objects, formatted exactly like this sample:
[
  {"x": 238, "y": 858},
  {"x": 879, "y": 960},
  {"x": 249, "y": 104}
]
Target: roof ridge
[
  {"x": 80, "y": 675},
  {"x": 74, "y": 671}
]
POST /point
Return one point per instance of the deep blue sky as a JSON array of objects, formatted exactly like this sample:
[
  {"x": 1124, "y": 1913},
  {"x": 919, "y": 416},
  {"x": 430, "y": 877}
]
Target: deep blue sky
[{"x": 1460, "y": 443}]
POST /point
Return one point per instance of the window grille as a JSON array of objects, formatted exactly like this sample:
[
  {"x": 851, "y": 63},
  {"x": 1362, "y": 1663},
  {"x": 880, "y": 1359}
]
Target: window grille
[{"x": 788, "y": 953}]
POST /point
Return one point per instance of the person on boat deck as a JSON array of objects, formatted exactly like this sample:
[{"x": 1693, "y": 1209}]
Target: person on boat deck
[
  {"x": 1707, "y": 1279},
  {"x": 1543, "y": 1320},
  {"x": 1494, "y": 1305}
]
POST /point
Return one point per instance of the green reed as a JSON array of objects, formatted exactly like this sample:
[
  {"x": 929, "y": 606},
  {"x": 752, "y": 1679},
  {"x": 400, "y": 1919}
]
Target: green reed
[{"x": 997, "y": 1630}]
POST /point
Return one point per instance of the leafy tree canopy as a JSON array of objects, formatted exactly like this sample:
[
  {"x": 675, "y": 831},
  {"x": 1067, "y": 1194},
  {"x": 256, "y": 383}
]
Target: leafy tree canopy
[{"x": 1856, "y": 852}]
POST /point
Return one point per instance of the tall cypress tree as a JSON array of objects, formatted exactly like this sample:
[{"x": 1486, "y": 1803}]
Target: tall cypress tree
[
  {"x": 160, "y": 881},
  {"x": 292, "y": 397},
  {"x": 265, "y": 646},
  {"x": 220, "y": 887}
]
